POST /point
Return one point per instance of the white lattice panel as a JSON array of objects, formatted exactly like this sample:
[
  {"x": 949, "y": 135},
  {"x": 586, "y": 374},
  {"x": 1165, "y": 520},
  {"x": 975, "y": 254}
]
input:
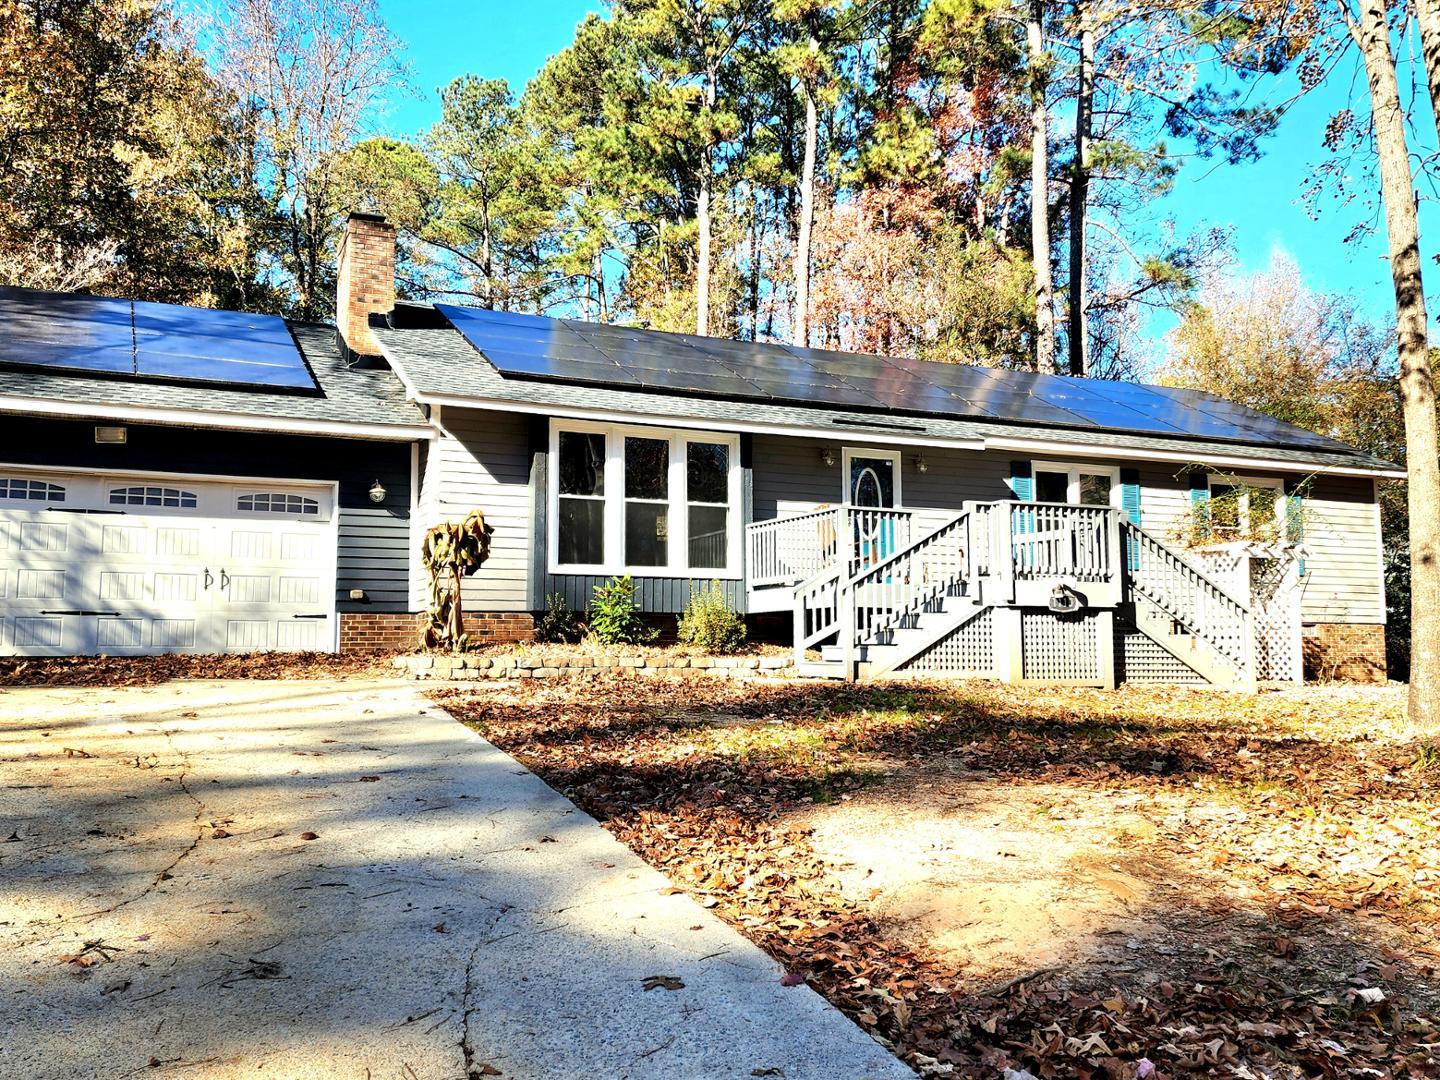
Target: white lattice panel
[
  {"x": 965, "y": 653},
  {"x": 1059, "y": 648},
  {"x": 1141, "y": 660},
  {"x": 1267, "y": 578}
]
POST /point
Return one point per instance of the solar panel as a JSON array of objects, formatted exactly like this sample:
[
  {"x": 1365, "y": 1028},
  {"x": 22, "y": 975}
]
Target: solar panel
[
  {"x": 114, "y": 337},
  {"x": 531, "y": 346}
]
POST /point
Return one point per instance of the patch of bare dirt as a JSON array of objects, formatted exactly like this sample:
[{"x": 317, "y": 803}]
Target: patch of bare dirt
[{"x": 998, "y": 877}]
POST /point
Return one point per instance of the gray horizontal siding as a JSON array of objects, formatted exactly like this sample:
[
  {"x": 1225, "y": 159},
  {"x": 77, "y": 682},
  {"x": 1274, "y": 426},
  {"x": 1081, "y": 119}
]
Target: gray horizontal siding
[
  {"x": 373, "y": 541},
  {"x": 482, "y": 462},
  {"x": 1342, "y": 582},
  {"x": 660, "y": 595}
]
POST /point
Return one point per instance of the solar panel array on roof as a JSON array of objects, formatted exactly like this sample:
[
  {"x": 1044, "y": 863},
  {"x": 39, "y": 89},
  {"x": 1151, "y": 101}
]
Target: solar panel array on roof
[
  {"x": 99, "y": 335},
  {"x": 530, "y": 346}
]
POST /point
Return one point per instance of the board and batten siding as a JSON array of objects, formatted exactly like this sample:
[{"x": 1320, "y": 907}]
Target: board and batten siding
[
  {"x": 1343, "y": 582},
  {"x": 373, "y": 539}
]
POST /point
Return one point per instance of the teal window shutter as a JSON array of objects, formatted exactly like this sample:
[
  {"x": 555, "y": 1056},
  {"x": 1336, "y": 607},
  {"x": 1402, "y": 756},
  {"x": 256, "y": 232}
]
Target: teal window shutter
[
  {"x": 1022, "y": 481},
  {"x": 1130, "y": 494},
  {"x": 1200, "y": 503},
  {"x": 1130, "y": 505},
  {"x": 1295, "y": 515}
]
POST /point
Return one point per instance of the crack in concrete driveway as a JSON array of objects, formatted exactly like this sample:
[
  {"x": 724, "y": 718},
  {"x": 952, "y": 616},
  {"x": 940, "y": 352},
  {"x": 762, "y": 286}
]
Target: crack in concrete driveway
[{"x": 330, "y": 917}]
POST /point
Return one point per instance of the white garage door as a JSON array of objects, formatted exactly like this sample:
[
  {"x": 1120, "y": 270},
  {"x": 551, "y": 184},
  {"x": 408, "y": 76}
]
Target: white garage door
[{"x": 123, "y": 564}]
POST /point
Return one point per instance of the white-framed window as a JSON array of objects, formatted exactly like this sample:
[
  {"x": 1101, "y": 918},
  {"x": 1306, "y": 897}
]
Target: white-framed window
[
  {"x": 141, "y": 495},
  {"x": 1244, "y": 506},
  {"x": 30, "y": 490},
  {"x": 1079, "y": 484},
  {"x": 870, "y": 477},
  {"x": 277, "y": 502},
  {"x": 643, "y": 501}
]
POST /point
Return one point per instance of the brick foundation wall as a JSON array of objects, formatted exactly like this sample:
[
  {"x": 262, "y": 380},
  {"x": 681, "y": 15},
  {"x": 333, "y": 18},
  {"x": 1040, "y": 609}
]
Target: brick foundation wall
[
  {"x": 366, "y": 631},
  {"x": 1354, "y": 652}
]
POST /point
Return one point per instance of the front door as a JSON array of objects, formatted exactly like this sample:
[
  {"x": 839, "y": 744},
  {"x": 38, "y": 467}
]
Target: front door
[{"x": 872, "y": 479}]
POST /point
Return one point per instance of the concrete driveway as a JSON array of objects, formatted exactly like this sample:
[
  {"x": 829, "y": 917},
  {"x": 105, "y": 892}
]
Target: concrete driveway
[{"x": 337, "y": 880}]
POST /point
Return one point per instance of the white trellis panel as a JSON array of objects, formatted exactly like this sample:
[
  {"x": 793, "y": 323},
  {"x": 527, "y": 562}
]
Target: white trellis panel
[
  {"x": 1059, "y": 648},
  {"x": 1268, "y": 577},
  {"x": 966, "y": 653}
]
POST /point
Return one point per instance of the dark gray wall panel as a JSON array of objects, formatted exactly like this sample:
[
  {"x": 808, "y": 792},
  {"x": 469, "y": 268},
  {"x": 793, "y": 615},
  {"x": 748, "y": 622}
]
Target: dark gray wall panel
[{"x": 661, "y": 595}]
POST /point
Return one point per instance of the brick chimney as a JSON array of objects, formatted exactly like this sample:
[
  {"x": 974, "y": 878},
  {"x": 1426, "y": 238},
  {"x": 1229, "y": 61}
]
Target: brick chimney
[{"x": 365, "y": 279}]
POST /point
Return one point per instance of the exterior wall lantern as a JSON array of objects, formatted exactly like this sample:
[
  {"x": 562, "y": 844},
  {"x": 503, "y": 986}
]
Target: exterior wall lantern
[{"x": 377, "y": 492}]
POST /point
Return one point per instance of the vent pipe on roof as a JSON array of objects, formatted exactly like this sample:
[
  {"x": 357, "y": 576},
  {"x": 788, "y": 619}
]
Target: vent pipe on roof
[{"x": 365, "y": 280}]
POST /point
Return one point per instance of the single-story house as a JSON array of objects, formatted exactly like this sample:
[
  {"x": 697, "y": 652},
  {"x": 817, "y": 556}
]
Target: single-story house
[{"x": 181, "y": 479}]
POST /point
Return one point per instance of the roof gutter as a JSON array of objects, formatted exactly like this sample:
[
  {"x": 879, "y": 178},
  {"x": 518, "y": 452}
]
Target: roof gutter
[
  {"x": 881, "y": 433},
  {"x": 141, "y": 414},
  {"x": 1131, "y": 453}
]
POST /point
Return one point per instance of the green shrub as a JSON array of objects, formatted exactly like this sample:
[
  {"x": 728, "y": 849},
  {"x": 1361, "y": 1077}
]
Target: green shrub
[
  {"x": 559, "y": 625},
  {"x": 709, "y": 623},
  {"x": 615, "y": 618}
]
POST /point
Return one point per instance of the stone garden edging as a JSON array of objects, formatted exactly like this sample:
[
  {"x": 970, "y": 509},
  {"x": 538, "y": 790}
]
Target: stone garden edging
[{"x": 543, "y": 666}]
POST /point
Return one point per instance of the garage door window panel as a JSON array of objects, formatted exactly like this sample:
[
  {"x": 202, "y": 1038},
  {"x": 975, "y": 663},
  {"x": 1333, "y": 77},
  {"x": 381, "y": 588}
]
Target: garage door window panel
[
  {"x": 14, "y": 488},
  {"x": 275, "y": 502},
  {"x": 140, "y": 495}
]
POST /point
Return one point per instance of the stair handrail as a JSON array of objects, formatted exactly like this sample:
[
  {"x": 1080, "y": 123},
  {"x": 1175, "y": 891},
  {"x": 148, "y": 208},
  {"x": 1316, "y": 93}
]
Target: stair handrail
[
  {"x": 1234, "y": 647},
  {"x": 906, "y": 597},
  {"x": 805, "y": 636}
]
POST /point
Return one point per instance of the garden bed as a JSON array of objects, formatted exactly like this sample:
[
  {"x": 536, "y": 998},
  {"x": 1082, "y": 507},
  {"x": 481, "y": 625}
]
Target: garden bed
[{"x": 588, "y": 660}]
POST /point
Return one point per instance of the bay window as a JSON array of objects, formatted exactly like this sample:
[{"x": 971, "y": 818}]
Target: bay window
[{"x": 644, "y": 501}]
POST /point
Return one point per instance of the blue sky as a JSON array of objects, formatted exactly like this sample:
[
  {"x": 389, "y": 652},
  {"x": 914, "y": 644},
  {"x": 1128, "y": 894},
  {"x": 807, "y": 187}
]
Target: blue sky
[{"x": 1262, "y": 202}]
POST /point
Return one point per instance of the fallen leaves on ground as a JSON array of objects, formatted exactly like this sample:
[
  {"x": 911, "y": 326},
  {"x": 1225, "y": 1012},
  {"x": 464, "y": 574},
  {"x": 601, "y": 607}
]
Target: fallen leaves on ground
[
  {"x": 1321, "y": 823},
  {"x": 151, "y": 670}
]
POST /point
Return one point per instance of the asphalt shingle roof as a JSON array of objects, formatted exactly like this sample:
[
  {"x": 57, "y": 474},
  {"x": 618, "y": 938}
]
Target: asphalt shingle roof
[
  {"x": 440, "y": 362},
  {"x": 348, "y": 395}
]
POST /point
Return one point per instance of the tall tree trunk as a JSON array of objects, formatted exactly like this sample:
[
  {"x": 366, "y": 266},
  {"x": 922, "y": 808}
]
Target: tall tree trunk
[
  {"x": 1080, "y": 195},
  {"x": 801, "y": 333},
  {"x": 702, "y": 216},
  {"x": 757, "y": 248},
  {"x": 1417, "y": 385},
  {"x": 1040, "y": 194}
]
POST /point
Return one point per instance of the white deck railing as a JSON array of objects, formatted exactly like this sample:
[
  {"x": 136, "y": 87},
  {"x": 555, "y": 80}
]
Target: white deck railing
[
  {"x": 1058, "y": 541},
  {"x": 789, "y": 550},
  {"x": 1202, "y": 607},
  {"x": 860, "y": 577}
]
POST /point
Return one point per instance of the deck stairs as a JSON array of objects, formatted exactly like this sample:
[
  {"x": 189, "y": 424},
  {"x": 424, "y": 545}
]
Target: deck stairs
[{"x": 871, "y": 615}]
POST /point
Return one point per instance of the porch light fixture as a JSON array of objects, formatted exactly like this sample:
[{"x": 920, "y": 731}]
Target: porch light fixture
[
  {"x": 377, "y": 492},
  {"x": 921, "y": 465},
  {"x": 827, "y": 457}
]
